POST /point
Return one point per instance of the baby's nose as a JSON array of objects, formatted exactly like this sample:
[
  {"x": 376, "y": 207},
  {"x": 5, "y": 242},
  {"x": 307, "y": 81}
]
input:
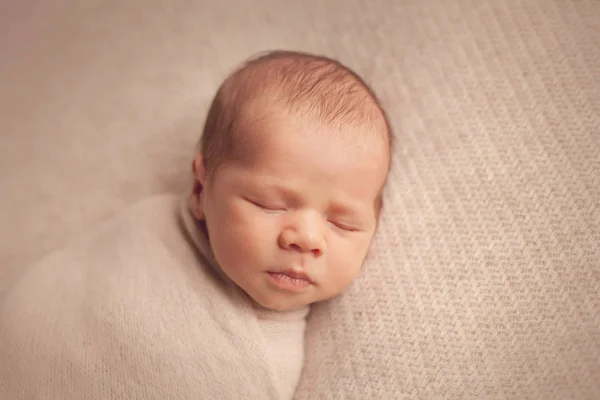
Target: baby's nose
[
  {"x": 316, "y": 249},
  {"x": 305, "y": 236}
]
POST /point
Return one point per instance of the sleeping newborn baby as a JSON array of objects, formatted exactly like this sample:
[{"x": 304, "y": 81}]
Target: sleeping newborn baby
[{"x": 207, "y": 296}]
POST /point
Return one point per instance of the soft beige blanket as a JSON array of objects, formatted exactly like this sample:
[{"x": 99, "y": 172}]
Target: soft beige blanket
[{"x": 135, "y": 311}]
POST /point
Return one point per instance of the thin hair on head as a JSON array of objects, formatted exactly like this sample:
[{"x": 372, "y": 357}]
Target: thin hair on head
[{"x": 304, "y": 83}]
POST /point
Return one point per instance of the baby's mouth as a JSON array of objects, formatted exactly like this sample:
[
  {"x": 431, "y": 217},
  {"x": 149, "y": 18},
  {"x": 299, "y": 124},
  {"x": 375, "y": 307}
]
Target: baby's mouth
[{"x": 290, "y": 280}]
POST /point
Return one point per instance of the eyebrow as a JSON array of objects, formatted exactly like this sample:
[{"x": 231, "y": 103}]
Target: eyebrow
[
  {"x": 343, "y": 209},
  {"x": 288, "y": 193}
]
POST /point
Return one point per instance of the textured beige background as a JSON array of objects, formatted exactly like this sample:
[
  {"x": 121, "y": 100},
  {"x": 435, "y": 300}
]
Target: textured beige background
[{"x": 485, "y": 278}]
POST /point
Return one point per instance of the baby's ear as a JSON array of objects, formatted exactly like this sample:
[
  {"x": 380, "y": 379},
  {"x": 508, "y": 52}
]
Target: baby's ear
[
  {"x": 198, "y": 169},
  {"x": 196, "y": 206},
  {"x": 197, "y": 197}
]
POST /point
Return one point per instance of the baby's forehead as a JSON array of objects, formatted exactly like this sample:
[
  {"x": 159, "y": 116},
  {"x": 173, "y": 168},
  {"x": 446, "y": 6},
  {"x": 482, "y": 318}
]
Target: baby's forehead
[{"x": 276, "y": 125}]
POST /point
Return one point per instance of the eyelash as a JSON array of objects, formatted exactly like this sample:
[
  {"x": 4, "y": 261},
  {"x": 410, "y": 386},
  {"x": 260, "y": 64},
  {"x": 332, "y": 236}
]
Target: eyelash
[
  {"x": 267, "y": 207},
  {"x": 343, "y": 227}
]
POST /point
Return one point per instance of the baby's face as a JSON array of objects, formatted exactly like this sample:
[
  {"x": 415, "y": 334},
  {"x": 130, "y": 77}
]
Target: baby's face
[{"x": 292, "y": 226}]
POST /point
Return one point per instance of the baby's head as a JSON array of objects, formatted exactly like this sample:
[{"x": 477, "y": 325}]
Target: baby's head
[{"x": 289, "y": 176}]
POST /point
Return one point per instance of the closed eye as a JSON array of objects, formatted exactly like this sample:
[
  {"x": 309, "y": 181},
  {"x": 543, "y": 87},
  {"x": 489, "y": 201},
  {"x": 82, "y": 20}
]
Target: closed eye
[
  {"x": 266, "y": 206},
  {"x": 344, "y": 227}
]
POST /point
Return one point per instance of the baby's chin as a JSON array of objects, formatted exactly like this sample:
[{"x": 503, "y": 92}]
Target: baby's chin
[{"x": 276, "y": 303}]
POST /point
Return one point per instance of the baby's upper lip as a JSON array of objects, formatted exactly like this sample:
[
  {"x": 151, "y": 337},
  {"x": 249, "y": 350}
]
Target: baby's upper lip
[{"x": 295, "y": 274}]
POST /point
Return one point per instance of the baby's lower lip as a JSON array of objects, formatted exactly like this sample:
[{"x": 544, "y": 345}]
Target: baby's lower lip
[{"x": 286, "y": 282}]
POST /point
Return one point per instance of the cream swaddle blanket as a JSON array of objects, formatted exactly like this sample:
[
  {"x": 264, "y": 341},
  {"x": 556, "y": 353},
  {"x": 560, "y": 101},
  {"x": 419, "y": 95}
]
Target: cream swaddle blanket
[{"x": 139, "y": 310}]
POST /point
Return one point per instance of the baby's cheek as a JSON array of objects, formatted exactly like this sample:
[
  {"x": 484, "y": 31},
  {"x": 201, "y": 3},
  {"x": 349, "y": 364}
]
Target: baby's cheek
[
  {"x": 344, "y": 268},
  {"x": 243, "y": 214},
  {"x": 237, "y": 242},
  {"x": 243, "y": 241}
]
